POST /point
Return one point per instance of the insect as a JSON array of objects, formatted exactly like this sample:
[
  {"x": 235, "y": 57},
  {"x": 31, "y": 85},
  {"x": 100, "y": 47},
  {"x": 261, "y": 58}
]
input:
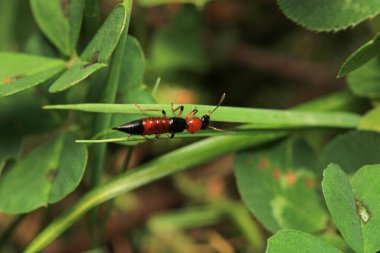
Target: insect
[{"x": 166, "y": 125}]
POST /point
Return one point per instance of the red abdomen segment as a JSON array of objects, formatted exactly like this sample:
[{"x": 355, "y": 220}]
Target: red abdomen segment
[{"x": 156, "y": 125}]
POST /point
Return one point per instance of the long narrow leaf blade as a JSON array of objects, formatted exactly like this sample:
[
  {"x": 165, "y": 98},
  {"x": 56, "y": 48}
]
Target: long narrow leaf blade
[{"x": 268, "y": 117}]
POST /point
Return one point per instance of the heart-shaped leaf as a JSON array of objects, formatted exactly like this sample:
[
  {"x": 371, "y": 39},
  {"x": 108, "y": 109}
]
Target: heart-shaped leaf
[
  {"x": 352, "y": 151},
  {"x": 279, "y": 187}
]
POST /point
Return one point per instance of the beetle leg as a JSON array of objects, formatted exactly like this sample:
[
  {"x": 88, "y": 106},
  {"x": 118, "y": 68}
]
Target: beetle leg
[
  {"x": 149, "y": 110},
  {"x": 192, "y": 113},
  {"x": 156, "y": 138},
  {"x": 180, "y": 108}
]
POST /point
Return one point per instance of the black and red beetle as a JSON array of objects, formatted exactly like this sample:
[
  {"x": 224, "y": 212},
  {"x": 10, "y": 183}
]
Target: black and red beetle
[{"x": 173, "y": 125}]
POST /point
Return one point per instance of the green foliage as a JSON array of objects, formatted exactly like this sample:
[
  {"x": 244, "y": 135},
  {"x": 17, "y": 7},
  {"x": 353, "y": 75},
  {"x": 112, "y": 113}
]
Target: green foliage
[
  {"x": 352, "y": 151},
  {"x": 326, "y": 15},
  {"x": 160, "y": 2},
  {"x": 279, "y": 188},
  {"x": 260, "y": 118},
  {"x": 44, "y": 176},
  {"x": 57, "y": 31},
  {"x": 131, "y": 88},
  {"x": 190, "y": 156},
  {"x": 104, "y": 42},
  {"x": 365, "y": 80},
  {"x": 291, "y": 241},
  {"x": 354, "y": 206},
  {"x": 21, "y": 71},
  {"x": 371, "y": 120},
  {"x": 183, "y": 33},
  {"x": 75, "y": 74},
  {"x": 361, "y": 56},
  {"x": 64, "y": 35},
  {"x": 41, "y": 161}
]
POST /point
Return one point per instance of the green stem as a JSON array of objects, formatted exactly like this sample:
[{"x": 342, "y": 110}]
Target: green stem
[{"x": 103, "y": 121}]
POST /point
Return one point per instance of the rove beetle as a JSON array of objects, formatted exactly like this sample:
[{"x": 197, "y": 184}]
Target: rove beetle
[{"x": 173, "y": 125}]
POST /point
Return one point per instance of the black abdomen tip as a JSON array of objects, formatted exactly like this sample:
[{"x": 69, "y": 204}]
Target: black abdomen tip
[{"x": 134, "y": 127}]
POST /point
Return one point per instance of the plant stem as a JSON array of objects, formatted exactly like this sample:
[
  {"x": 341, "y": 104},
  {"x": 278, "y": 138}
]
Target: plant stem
[{"x": 103, "y": 121}]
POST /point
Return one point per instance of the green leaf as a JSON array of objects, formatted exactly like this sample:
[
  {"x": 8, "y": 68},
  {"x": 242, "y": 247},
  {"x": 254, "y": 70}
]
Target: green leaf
[
  {"x": 292, "y": 241},
  {"x": 76, "y": 8},
  {"x": 199, "y": 152},
  {"x": 260, "y": 118},
  {"x": 352, "y": 150},
  {"x": 365, "y": 185},
  {"x": 341, "y": 204},
  {"x": 189, "y": 156},
  {"x": 104, "y": 42},
  {"x": 21, "y": 71},
  {"x": 46, "y": 175},
  {"x": 327, "y": 15},
  {"x": 150, "y": 3},
  {"x": 361, "y": 56},
  {"x": 279, "y": 188},
  {"x": 371, "y": 120},
  {"x": 9, "y": 149},
  {"x": 52, "y": 20},
  {"x": 8, "y": 19},
  {"x": 354, "y": 207},
  {"x": 179, "y": 46},
  {"x": 131, "y": 88},
  {"x": 78, "y": 72},
  {"x": 365, "y": 81}
]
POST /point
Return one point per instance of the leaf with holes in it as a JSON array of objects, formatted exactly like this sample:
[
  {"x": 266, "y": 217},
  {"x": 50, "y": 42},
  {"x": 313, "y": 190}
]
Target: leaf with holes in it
[
  {"x": 327, "y": 15},
  {"x": 352, "y": 151},
  {"x": 361, "y": 56},
  {"x": 45, "y": 175},
  {"x": 22, "y": 71},
  {"x": 78, "y": 72},
  {"x": 365, "y": 81},
  {"x": 292, "y": 241},
  {"x": 354, "y": 207},
  {"x": 278, "y": 186}
]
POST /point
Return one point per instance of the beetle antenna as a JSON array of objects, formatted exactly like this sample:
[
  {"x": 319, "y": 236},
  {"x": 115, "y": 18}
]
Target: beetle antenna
[
  {"x": 220, "y": 102},
  {"x": 220, "y": 130}
]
